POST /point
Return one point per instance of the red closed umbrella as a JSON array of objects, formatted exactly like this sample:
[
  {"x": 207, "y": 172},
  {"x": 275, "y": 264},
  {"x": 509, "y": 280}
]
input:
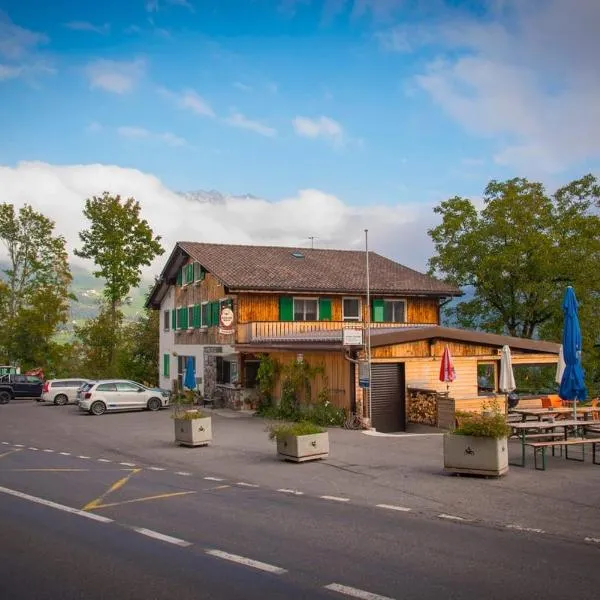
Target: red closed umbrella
[{"x": 447, "y": 372}]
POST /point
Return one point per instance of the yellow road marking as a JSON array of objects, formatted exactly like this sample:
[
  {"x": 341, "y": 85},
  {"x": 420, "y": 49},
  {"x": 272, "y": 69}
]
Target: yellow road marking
[
  {"x": 11, "y": 452},
  {"x": 219, "y": 487},
  {"x": 159, "y": 497},
  {"x": 115, "y": 486}
]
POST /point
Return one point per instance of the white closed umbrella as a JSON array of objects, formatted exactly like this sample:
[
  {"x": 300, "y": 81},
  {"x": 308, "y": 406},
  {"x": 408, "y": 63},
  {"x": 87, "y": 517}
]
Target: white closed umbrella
[
  {"x": 507, "y": 377},
  {"x": 560, "y": 366}
]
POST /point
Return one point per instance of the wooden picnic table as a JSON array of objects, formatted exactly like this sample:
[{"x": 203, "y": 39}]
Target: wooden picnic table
[
  {"x": 586, "y": 411},
  {"x": 546, "y": 426}
]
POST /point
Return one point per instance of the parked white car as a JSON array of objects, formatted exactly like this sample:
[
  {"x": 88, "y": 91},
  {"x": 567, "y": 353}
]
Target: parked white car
[
  {"x": 61, "y": 391},
  {"x": 120, "y": 394}
]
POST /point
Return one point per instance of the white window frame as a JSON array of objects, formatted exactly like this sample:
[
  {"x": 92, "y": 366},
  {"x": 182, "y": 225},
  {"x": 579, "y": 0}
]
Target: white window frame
[
  {"x": 403, "y": 300},
  {"x": 197, "y": 270},
  {"x": 203, "y": 325},
  {"x": 303, "y": 299},
  {"x": 190, "y": 310},
  {"x": 167, "y": 322},
  {"x": 359, "y": 316}
]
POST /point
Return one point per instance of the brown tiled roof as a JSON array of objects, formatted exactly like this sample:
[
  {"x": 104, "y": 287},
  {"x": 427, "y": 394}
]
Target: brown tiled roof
[{"x": 275, "y": 268}]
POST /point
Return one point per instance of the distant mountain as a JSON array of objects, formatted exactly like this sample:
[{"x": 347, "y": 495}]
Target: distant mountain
[{"x": 213, "y": 196}]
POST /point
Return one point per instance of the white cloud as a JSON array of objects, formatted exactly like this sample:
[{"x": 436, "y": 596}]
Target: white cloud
[
  {"x": 16, "y": 41},
  {"x": 131, "y": 29},
  {"x": 526, "y": 75},
  {"x": 239, "y": 120},
  {"x": 86, "y": 26},
  {"x": 118, "y": 77},
  {"x": 94, "y": 127},
  {"x": 140, "y": 133},
  {"x": 242, "y": 86},
  {"x": 60, "y": 191},
  {"x": 320, "y": 127},
  {"x": 189, "y": 100},
  {"x": 155, "y": 5},
  {"x": 10, "y": 72}
]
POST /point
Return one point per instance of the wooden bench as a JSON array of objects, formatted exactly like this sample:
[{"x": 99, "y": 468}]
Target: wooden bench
[{"x": 540, "y": 448}]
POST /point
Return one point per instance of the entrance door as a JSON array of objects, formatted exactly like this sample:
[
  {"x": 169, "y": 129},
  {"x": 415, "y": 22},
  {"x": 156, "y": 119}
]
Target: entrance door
[{"x": 388, "y": 399}]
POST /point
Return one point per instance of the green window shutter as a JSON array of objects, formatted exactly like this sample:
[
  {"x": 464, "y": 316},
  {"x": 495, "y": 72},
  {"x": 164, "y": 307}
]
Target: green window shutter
[
  {"x": 286, "y": 308},
  {"x": 377, "y": 311},
  {"x": 324, "y": 309},
  {"x": 184, "y": 313},
  {"x": 174, "y": 319},
  {"x": 166, "y": 365},
  {"x": 196, "y": 315},
  {"x": 179, "y": 277},
  {"x": 190, "y": 273},
  {"x": 215, "y": 313}
]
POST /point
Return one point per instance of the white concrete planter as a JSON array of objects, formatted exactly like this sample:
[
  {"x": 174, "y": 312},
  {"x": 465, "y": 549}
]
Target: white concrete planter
[
  {"x": 475, "y": 455},
  {"x": 193, "y": 432},
  {"x": 300, "y": 448}
]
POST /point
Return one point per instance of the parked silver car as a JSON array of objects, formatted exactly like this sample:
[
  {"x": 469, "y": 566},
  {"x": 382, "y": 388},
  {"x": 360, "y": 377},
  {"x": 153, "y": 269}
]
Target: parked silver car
[
  {"x": 120, "y": 394},
  {"x": 61, "y": 391}
]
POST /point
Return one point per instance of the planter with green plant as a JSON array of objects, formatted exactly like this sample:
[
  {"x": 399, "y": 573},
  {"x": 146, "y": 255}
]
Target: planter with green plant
[
  {"x": 300, "y": 442},
  {"x": 192, "y": 426},
  {"x": 478, "y": 445}
]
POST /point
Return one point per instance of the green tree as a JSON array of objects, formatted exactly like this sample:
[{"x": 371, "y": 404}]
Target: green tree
[
  {"x": 138, "y": 352},
  {"x": 519, "y": 252},
  {"x": 34, "y": 296},
  {"x": 120, "y": 242}
]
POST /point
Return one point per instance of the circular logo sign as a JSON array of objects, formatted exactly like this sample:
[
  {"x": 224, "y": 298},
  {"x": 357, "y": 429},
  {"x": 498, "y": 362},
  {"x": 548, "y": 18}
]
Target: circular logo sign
[{"x": 227, "y": 317}]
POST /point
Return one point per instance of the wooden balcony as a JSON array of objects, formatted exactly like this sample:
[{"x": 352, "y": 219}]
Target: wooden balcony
[{"x": 260, "y": 330}]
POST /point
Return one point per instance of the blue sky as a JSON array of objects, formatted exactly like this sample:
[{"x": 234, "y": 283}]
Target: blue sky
[{"x": 375, "y": 102}]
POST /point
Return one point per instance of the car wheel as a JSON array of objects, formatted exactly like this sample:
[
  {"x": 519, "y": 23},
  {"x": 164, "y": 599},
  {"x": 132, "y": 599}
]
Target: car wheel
[
  {"x": 154, "y": 404},
  {"x": 60, "y": 400},
  {"x": 98, "y": 408},
  {"x": 4, "y": 397}
]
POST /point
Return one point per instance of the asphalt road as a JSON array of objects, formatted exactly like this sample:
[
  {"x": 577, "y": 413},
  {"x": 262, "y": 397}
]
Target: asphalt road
[{"x": 230, "y": 540}]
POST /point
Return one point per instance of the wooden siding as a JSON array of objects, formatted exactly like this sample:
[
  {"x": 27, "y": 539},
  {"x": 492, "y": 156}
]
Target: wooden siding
[
  {"x": 337, "y": 375},
  {"x": 265, "y": 307},
  {"x": 433, "y": 349}
]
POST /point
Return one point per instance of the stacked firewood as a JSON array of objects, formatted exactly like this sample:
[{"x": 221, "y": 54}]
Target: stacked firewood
[{"x": 422, "y": 407}]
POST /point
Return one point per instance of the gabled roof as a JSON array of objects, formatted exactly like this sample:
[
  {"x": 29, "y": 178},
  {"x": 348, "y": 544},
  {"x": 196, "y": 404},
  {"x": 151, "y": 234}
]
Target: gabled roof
[{"x": 286, "y": 269}]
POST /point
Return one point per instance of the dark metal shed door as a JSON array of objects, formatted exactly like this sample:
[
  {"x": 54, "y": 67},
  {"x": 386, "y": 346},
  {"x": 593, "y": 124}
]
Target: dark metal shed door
[{"x": 388, "y": 404}]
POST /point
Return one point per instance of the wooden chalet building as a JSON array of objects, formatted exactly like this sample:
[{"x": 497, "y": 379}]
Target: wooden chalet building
[{"x": 225, "y": 305}]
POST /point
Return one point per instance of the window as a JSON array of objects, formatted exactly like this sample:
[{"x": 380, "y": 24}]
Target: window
[
  {"x": 204, "y": 315},
  {"x": 394, "y": 311},
  {"x": 190, "y": 316},
  {"x": 251, "y": 373},
  {"x": 223, "y": 370},
  {"x": 127, "y": 386},
  {"x": 535, "y": 379},
  {"x": 198, "y": 272},
  {"x": 166, "y": 365},
  {"x": 306, "y": 309},
  {"x": 106, "y": 387},
  {"x": 166, "y": 320},
  {"x": 351, "y": 309},
  {"x": 486, "y": 378}
]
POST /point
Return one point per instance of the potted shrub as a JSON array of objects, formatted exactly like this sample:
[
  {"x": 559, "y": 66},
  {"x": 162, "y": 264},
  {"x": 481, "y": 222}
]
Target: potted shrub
[
  {"x": 478, "y": 445},
  {"x": 300, "y": 442},
  {"x": 192, "y": 426}
]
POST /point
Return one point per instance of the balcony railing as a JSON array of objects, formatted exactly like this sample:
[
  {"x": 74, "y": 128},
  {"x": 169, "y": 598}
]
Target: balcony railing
[{"x": 259, "y": 330}]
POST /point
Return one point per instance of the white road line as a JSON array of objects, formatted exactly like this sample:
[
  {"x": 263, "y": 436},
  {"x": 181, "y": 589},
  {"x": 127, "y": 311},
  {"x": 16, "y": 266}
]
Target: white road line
[
  {"x": 184, "y": 473},
  {"x": 83, "y": 456},
  {"x": 48, "y": 450},
  {"x": 355, "y": 592},
  {"x": 593, "y": 540},
  {"x": 244, "y": 484},
  {"x": 451, "y": 517},
  {"x": 104, "y": 460},
  {"x": 18, "y": 446},
  {"x": 32, "y": 448},
  {"x": 335, "y": 498},
  {"x": 527, "y": 529},
  {"x": 392, "y": 507},
  {"x": 242, "y": 560},
  {"x": 50, "y": 504},
  {"x": 294, "y": 492},
  {"x": 214, "y": 479},
  {"x": 6, "y": 443},
  {"x": 126, "y": 464},
  {"x": 156, "y": 468},
  {"x": 162, "y": 537},
  {"x": 65, "y": 453}
]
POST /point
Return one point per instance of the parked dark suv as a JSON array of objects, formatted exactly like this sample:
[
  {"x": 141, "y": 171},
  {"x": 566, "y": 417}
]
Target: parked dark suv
[{"x": 19, "y": 386}]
